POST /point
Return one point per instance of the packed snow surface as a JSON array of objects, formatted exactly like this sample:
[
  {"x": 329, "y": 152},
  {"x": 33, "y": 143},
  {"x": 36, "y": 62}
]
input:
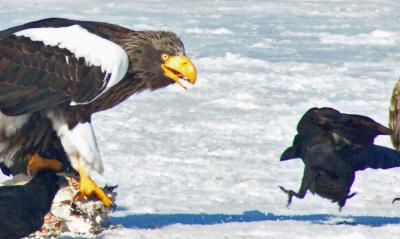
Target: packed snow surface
[{"x": 204, "y": 163}]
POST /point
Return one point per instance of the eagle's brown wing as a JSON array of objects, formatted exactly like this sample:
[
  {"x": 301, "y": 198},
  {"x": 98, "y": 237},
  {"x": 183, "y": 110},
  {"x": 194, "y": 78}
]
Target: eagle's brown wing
[
  {"x": 34, "y": 76},
  {"x": 394, "y": 116}
]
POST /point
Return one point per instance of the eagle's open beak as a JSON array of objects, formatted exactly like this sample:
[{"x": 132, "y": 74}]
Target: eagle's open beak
[{"x": 180, "y": 68}]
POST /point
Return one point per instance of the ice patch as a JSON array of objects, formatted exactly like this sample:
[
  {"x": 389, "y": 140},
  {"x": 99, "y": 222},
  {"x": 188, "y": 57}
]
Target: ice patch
[
  {"x": 376, "y": 37},
  {"x": 207, "y": 31},
  {"x": 266, "y": 43},
  {"x": 230, "y": 61},
  {"x": 145, "y": 27},
  {"x": 94, "y": 10}
]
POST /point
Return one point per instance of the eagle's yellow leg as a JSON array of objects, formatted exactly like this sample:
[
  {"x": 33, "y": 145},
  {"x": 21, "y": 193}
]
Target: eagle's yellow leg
[
  {"x": 88, "y": 187},
  {"x": 37, "y": 163}
]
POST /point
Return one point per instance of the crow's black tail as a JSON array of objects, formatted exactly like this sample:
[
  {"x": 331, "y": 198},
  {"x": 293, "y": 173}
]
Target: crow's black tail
[{"x": 371, "y": 156}]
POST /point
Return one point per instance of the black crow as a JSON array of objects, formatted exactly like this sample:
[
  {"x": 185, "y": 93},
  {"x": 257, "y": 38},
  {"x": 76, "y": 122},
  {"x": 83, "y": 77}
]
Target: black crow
[
  {"x": 23, "y": 207},
  {"x": 333, "y": 146}
]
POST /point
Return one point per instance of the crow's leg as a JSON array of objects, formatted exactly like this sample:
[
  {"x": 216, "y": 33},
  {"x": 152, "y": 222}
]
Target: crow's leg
[
  {"x": 308, "y": 176},
  {"x": 301, "y": 194}
]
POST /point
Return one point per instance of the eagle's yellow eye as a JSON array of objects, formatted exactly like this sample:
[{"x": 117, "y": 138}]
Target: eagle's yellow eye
[{"x": 164, "y": 57}]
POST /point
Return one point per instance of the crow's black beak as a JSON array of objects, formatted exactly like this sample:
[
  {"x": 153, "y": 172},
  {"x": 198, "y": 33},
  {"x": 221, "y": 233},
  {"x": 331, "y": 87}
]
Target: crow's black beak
[{"x": 289, "y": 153}]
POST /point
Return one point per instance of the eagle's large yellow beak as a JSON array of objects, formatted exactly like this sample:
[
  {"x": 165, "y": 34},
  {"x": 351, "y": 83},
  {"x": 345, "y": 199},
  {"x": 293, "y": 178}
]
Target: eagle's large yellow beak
[{"x": 180, "y": 68}]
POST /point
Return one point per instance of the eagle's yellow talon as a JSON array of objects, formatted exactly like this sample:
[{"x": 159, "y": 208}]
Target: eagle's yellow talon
[
  {"x": 88, "y": 188},
  {"x": 37, "y": 163}
]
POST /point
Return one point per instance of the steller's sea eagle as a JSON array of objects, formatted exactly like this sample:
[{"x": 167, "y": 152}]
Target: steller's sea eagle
[{"x": 55, "y": 73}]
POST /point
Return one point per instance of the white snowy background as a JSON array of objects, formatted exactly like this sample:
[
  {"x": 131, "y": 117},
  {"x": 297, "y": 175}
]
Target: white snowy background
[{"x": 204, "y": 163}]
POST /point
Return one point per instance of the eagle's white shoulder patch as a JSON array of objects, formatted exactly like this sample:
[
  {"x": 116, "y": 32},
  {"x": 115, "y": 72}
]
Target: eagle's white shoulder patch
[{"x": 95, "y": 50}]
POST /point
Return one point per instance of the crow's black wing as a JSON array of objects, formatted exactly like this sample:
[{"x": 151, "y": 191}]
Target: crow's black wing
[{"x": 349, "y": 128}]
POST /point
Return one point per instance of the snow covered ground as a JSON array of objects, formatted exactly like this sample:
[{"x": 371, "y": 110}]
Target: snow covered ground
[{"x": 204, "y": 163}]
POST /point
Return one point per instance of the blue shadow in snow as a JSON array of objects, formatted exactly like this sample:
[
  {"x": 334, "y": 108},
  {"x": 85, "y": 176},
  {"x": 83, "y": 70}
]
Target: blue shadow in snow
[{"x": 146, "y": 221}]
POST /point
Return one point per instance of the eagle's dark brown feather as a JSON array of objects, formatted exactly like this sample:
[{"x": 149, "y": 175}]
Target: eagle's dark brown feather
[{"x": 39, "y": 76}]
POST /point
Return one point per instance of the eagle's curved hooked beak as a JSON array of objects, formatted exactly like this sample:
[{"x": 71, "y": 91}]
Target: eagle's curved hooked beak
[{"x": 180, "y": 68}]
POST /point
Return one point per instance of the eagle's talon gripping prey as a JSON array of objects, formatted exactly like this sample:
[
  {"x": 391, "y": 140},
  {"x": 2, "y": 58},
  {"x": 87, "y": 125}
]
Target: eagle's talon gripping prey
[
  {"x": 87, "y": 187},
  {"x": 55, "y": 73}
]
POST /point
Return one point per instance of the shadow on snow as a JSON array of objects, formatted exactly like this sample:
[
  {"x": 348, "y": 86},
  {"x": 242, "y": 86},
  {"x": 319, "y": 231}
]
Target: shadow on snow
[{"x": 146, "y": 221}]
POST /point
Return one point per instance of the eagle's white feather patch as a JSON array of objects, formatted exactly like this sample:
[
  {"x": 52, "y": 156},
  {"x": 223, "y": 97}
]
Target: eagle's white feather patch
[
  {"x": 79, "y": 143},
  {"x": 10, "y": 124},
  {"x": 95, "y": 50}
]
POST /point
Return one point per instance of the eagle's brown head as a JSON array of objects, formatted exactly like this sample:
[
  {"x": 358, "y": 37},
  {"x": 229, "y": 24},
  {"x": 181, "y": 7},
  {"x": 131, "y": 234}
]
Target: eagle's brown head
[{"x": 158, "y": 58}]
